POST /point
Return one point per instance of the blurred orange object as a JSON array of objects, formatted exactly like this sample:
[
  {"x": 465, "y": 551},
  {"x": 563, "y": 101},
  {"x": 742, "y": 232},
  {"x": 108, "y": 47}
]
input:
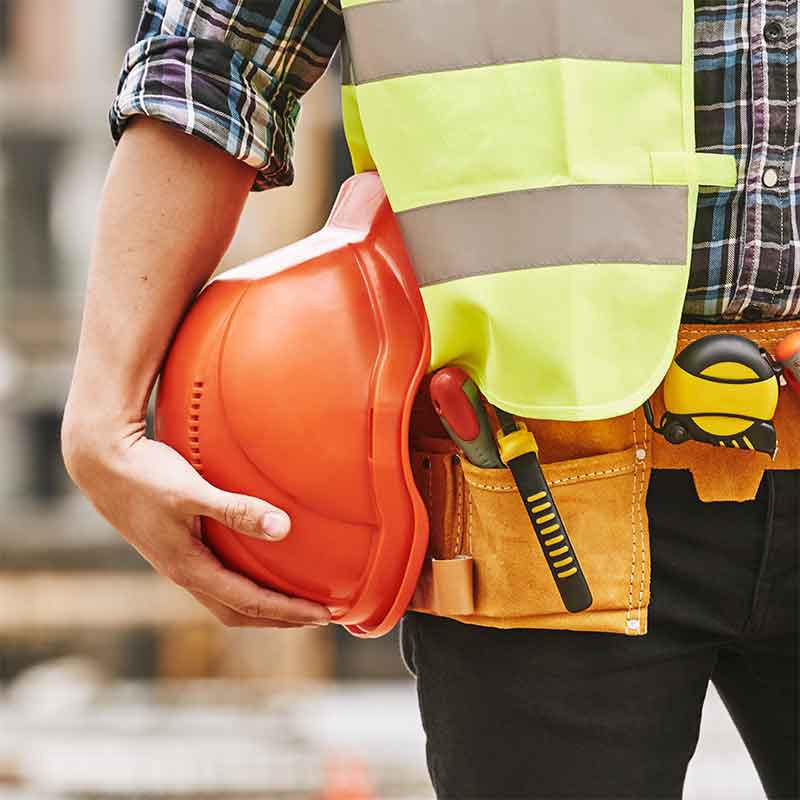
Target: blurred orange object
[
  {"x": 292, "y": 379},
  {"x": 347, "y": 779},
  {"x": 787, "y": 351}
]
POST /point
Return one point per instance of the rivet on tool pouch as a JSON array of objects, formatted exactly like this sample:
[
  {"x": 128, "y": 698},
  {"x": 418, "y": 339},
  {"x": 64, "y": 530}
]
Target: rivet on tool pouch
[{"x": 721, "y": 390}]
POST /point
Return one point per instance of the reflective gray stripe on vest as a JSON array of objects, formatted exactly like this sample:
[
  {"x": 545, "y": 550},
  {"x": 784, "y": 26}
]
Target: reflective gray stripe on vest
[
  {"x": 348, "y": 75},
  {"x": 547, "y": 227},
  {"x": 409, "y": 37}
]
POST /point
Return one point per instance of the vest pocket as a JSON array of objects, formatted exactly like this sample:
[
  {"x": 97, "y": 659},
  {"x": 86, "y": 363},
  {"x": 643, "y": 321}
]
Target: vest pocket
[{"x": 602, "y": 502}]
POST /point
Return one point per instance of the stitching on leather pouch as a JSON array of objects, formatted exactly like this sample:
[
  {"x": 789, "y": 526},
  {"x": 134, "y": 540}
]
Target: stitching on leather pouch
[
  {"x": 503, "y": 488},
  {"x": 633, "y": 531},
  {"x": 470, "y": 504},
  {"x": 429, "y": 487},
  {"x": 569, "y": 479},
  {"x": 736, "y": 329},
  {"x": 459, "y": 510},
  {"x": 641, "y": 528},
  {"x": 429, "y": 499},
  {"x": 573, "y": 478}
]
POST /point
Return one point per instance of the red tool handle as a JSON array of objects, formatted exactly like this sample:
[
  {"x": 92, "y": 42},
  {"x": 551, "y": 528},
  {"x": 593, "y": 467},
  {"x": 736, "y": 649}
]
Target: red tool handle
[
  {"x": 787, "y": 351},
  {"x": 451, "y": 403}
]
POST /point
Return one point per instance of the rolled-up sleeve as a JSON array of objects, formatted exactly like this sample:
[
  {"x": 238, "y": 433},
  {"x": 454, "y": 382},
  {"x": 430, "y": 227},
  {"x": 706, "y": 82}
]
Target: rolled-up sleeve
[{"x": 231, "y": 72}]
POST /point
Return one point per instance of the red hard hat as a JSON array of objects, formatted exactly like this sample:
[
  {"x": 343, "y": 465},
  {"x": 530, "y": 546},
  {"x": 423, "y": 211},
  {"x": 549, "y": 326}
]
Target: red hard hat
[{"x": 292, "y": 379}]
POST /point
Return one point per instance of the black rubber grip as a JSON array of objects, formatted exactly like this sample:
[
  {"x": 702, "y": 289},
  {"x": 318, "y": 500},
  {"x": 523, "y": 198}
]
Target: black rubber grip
[{"x": 551, "y": 532}]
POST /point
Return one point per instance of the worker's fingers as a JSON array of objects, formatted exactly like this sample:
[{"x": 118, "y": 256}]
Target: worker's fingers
[
  {"x": 202, "y": 574},
  {"x": 232, "y": 619},
  {"x": 243, "y": 514}
]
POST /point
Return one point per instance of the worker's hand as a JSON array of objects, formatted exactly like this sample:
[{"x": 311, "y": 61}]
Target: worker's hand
[
  {"x": 149, "y": 493},
  {"x": 168, "y": 213}
]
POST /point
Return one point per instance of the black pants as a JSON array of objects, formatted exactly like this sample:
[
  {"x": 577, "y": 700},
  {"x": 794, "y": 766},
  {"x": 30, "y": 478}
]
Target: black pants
[{"x": 556, "y": 714}]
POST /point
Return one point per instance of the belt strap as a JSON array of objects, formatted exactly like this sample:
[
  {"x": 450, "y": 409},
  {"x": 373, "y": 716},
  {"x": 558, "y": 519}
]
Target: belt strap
[
  {"x": 446, "y": 587},
  {"x": 727, "y": 474}
]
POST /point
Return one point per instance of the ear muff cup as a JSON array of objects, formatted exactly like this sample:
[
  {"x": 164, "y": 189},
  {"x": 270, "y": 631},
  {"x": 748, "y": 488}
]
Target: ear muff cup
[{"x": 292, "y": 379}]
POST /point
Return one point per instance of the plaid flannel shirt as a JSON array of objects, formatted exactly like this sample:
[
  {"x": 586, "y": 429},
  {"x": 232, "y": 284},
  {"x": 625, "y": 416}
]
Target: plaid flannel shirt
[{"x": 233, "y": 72}]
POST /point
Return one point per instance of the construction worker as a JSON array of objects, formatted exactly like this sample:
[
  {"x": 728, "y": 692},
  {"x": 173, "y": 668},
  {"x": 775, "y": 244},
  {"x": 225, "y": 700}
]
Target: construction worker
[{"x": 560, "y": 141}]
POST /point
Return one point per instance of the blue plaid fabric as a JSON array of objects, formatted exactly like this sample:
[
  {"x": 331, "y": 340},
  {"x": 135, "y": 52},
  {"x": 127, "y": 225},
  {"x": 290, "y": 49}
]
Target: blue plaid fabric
[
  {"x": 746, "y": 259},
  {"x": 233, "y": 73}
]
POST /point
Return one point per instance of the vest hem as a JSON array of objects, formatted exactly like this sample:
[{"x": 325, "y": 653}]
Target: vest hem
[{"x": 582, "y": 413}]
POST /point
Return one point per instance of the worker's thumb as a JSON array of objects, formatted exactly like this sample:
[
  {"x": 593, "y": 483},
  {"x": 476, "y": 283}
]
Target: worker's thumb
[{"x": 247, "y": 515}]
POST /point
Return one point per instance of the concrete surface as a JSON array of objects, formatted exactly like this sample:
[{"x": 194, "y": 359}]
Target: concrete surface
[
  {"x": 76, "y": 738},
  {"x": 721, "y": 768}
]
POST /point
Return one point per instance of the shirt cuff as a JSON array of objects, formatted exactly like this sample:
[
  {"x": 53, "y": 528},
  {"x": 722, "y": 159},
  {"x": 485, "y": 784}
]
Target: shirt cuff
[{"x": 208, "y": 90}]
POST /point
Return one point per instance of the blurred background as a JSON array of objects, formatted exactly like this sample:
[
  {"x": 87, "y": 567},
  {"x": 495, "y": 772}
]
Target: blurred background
[{"x": 112, "y": 683}]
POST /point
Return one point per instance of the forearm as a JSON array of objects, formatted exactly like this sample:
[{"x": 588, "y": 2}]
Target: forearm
[{"x": 169, "y": 209}]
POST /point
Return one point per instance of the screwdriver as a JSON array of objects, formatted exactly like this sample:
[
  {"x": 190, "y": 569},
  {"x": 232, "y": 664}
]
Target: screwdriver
[
  {"x": 519, "y": 451},
  {"x": 457, "y": 401}
]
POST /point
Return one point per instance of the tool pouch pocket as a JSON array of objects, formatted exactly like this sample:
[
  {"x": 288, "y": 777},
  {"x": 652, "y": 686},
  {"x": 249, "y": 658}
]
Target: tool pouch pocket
[{"x": 479, "y": 514}]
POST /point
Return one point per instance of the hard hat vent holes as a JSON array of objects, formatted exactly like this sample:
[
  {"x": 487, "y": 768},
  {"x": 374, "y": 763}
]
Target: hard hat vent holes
[{"x": 194, "y": 426}]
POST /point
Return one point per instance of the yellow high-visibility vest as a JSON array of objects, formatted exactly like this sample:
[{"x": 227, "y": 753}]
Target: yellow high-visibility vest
[{"x": 540, "y": 157}]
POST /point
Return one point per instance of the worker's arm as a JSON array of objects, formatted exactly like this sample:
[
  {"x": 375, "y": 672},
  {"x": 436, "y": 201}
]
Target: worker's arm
[{"x": 169, "y": 209}]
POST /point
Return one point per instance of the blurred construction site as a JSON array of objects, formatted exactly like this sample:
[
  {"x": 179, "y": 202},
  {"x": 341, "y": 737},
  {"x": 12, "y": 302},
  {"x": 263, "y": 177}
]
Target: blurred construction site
[{"x": 112, "y": 682}]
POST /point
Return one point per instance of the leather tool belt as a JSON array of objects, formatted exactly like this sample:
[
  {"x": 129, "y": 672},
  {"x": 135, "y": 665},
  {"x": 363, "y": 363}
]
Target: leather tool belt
[{"x": 483, "y": 566}]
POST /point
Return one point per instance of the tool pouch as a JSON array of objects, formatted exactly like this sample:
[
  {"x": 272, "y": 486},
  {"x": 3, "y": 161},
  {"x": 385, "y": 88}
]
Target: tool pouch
[{"x": 486, "y": 567}]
